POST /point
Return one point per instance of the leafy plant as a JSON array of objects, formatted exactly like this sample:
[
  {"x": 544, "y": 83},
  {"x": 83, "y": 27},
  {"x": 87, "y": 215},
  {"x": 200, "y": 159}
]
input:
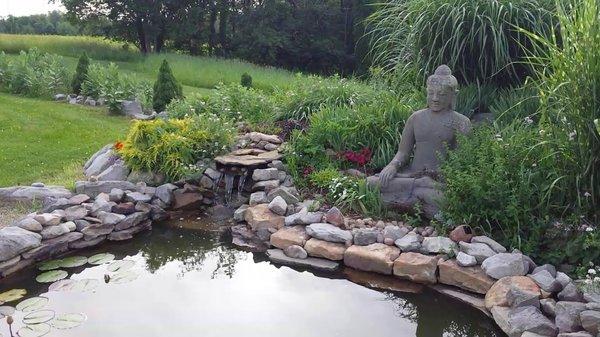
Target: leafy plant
[
  {"x": 166, "y": 88},
  {"x": 80, "y": 73},
  {"x": 246, "y": 80}
]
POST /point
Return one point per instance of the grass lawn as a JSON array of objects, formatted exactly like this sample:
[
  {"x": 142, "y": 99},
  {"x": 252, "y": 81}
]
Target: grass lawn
[{"x": 47, "y": 141}]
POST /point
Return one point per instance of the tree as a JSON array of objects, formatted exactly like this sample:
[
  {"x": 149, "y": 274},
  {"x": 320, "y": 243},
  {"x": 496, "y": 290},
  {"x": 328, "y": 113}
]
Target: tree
[
  {"x": 166, "y": 88},
  {"x": 80, "y": 73}
]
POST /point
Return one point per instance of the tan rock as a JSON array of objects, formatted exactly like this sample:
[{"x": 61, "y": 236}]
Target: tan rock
[
  {"x": 497, "y": 295},
  {"x": 260, "y": 216},
  {"x": 289, "y": 236},
  {"x": 468, "y": 278},
  {"x": 327, "y": 250},
  {"x": 382, "y": 282},
  {"x": 376, "y": 257},
  {"x": 416, "y": 267}
]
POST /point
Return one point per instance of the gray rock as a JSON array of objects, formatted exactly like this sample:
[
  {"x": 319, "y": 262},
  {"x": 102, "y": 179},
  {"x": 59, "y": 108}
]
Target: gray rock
[
  {"x": 277, "y": 256},
  {"x": 158, "y": 213},
  {"x": 547, "y": 267},
  {"x": 279, "y": 165},
  {"x": 530, "y": 319},
  {"x": 394, "y": 232},
  {"x": 592, "y": 306},
  {"x": 591, "y": 296},
  {"x": 117, "y": 171},
  {"x": 110, "y": 218},
  {"x": 570, "y": 293},
  {"x": 213, "y": 174},
  {"x": 16, "y": 240},
  {"x": 239, "y": 213},
  {"x": 498, "y": 248},
  {"x": 52, "y": 247},
  {"x": 411, "y": 242},
  {"x": 75, "y": 212},
  {"x": 575, "y": 334},
  {"x": 52, "y": 232},
  {"x": 516, "y": 297},
  {"x": 328, "y": 232},
  {"x": 29, "y": 224},
  {"x": 590, "y": 320},
  {"x": 150, "y": 178},
  {"x": 295, "y": 252},
  {"x": 131, "y": 220},
  {"x": 243, "y": 238},
  {"x": 267, "y": 185},
  {"x": 137, "y": 196},
  {"x": 264, "y": 234},
  {"x": 131, "y": 108},
  {"x": 304, "y": 217},
  {"x": 60, "y": 97},
  {"x": 116, "y": 195},
  {"x": 165, "y": 193},
  {"x": 59, "y": 213},
  {"x": 258, "y": 198},
  {"x": 287, "y": 193},
  {"x": 81, "y": 224},
  {"x": 548, "y": 306},
  {"x": 144, "y": 207},
  {"x": 265, "y": 174},
  {"x": 82, "y": 243},
  {"x": 101, "y": 163},
  {"x": 129, "y": 232},
  {"x": 563, "y": 278},
  {"x": 480, "y": 251},
  {"x": 47, "y": 219},
  {"x": 103, "y": 150},
  {"x": 438, "y": 245},
  {"x": 278, "y": 206},
  {"x": 94, "y": 188},
  {"x": 567, "y": 316},
  {"x": 60, "y": 203},
  {"x": 544, "y": 279},
  {"x": 94, "y": 231},
  {"x": 505, "y": 264},
  {"x": 79, "y": 199},
  {"x": 28, "y": 193},
  {"x": 365, "y": 236},
  {"x": 465, "y": 260}
]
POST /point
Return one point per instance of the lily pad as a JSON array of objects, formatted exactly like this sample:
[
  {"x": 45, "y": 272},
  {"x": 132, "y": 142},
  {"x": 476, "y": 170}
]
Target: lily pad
[
  {"x": 6, "y": 311},
  {"x": 51, "y": 276},
  {"x": 32, "y": 304},
  {"x": 101, "y": 258},
  {"x": 68, "y": 321},
  {"x": 12, "y": 295},
  {"x": 37, "y": 317},
  {"x": 73, "y": 261},
  {"x": 87, "y": 284},
  {"x": 62, "y": 285},
  {"x": 49, "y": 265},
  {"x": 123, "y": 277},
  {"x": 74, "y": 285},
  {"x": 119, "y": 266},
  {"x": 34, "y": 330}
]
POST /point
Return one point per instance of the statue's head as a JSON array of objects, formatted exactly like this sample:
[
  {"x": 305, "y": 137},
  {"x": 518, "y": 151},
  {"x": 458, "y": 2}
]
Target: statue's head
[{"x": 441, "y": 89}]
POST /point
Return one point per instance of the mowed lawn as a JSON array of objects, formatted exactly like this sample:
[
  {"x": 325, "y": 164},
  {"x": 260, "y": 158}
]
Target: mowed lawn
[{"x": 47, "y": 141}]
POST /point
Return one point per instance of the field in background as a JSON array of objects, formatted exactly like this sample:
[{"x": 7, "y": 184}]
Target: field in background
[
  {"x": 47, "y": 141},
  {"x": 190, "y": 71}
]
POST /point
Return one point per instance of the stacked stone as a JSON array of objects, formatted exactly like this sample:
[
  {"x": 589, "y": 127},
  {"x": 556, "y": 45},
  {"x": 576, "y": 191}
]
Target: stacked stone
[
  {"x": 81, "y": 221},
  {"x": 257, "y": 140}
]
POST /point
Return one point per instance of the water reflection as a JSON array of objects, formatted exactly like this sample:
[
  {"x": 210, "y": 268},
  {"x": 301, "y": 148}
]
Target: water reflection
[{"x": 192, "y": 284}]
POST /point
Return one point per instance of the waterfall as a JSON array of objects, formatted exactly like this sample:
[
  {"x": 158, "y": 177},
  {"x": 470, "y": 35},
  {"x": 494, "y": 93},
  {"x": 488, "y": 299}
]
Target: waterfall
[
  {"x": 228, "y": 186},
  {"x": 241, "y": 182}
]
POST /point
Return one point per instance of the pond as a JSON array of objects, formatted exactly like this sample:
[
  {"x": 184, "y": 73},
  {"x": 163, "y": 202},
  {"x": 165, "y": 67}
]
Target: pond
[{"x": 190, "y": 283}]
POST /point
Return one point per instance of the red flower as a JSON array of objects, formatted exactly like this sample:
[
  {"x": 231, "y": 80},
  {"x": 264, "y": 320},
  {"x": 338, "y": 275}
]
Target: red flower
[
  {"x": 118, "y": 145},
  {"x": 308, "y": 170},
  {"x": 360, "y": 158}
]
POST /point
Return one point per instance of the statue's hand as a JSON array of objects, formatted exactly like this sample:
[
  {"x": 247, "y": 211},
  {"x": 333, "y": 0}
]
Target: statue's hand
[{"x": 387, "y": 174}]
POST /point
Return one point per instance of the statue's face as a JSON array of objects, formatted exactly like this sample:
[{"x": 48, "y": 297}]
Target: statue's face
[{"x": 439, "y": 98}]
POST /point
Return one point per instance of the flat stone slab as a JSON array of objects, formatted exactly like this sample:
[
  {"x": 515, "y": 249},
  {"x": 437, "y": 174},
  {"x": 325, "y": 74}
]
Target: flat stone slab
[
  {"x": 277, "y": 256},
  {"x": 382, "y": 282},
  {"x": 30, "y": 193},
  {"x": 245, "y": 160},
  {"x": 471, "y": 299}
]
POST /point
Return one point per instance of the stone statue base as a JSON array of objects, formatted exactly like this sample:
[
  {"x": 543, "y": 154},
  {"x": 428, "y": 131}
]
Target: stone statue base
[{"x": 403, "y": 193}]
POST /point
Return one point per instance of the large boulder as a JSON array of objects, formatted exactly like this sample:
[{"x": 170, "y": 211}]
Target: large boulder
[
  {"x": 116, "y": 172},
  {"x": 529, "y": 319},
  {"x": 567, "y": 316},
  {"x": 377, "y": 258},
  {"x": 498, "y": 248},
  {"x": 183, "y": 200},
  {"x": 505, "y": 264},
  {"x": 16, "y": 240},
  {"x": 103, "y": 150},
  {"x": 278, "y": 206},
  {"x": 260, "y": 216},
  {"x": 247, "y": 240},
  {"x": 411, "y": 242},
  {"x": 546, "y": 281},
  {"x": 165, "y": 193},
  {"x": 590, "y": 320},
  {"x": 30, "y": 193},
  {"x": 416, "y": 267},
  {"x": 289, "y": 236},
  {"x": 480, "y": 251},
  {"x": 468, "y": 278},
  {"x": 265, "y": 174},
  {"x": 288, "y": 194},
  {"x": 498, "y": 293},
  {"x": 101, "y": 163},
  {"x": 438, "y": 245},
  {"x": 328, "y": 232},
  {"x": 327, "y": 250}
]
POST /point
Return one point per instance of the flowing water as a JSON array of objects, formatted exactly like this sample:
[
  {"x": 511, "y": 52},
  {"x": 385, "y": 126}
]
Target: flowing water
[{"x": 190, "y": 283}]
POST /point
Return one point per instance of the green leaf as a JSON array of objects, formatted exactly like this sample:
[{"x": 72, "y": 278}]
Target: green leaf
[
  {"x": 34, "y": 330},
  {"x": 62, "y": 285},
  {"x": 119, "y": 266},
  {"x": 101, "y": 258},
  {"x": 123, "y": 277},
  {"x": 49, "y": 265},
  {"x": 68, "y": 321},
  {"x": 37, "y": 317},
  {"x": 12, "y": 295},
  {"x": 51, "y": 276},
  {"x": 73, "y": 261},
  {"x": 32, "y": 304}
]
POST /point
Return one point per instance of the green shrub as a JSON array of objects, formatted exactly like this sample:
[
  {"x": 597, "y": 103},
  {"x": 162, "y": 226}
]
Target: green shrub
[
  {"x": 33, "y": 73},
  {"x": 478, "y": 39},
  {"x": 166, "y": 88},
  {"x": 174, "y": 146},
  {"x": 80, "y": 73},
  {"x": 475, "y": 98},
  {"x": 246, "y": 80},
  {"x": 322, "y": 179}
]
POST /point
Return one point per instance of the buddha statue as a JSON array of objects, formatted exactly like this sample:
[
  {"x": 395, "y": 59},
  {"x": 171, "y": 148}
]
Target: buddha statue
[{"x": 412, "y": 177}]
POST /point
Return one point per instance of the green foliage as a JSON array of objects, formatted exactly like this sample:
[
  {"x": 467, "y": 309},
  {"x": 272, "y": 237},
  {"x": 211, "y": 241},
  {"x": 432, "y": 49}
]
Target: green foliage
[
  {"x": 475, "y": 98},
  {"x": 478, "y": 39},
  {"x": 175, "y": 146},
  {"x": 166, "y": 88},
  {"x": 246, "y": 80},
  {"x": 353, "y": 194},
  {"x": 33, "y": 73},
  {"x": 322, "y": 179},
  {"x": 80, "y": 73}
]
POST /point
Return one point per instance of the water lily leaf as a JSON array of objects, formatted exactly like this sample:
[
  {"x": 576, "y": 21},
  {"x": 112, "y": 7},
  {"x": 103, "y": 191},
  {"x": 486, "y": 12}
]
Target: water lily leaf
[
  {"x": 123, "y": 277},
  {"x": 32, "y": 304},
  {"x": 87, "y": 284},
  {"x": 6, "y": 311},
  {"x": 68, "y": 321},
  {"x": 34, "y": 330},
  {"x": 37, "y": 317},
  {"x": 12, "y": 295},
  {"x": 74, "y": 285},
  {"x": 51, "y": 276},
  {"x": 101, "y": 258},
  {"x": 49, "y": 265},
  {"x": 62, "y": 285},
  {"x": 119, "y": 266},
  {"x": 73, "y": 261}
]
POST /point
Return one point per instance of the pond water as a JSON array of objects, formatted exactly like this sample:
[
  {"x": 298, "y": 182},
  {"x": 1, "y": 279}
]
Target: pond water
[{"x": 190, "y": 283}]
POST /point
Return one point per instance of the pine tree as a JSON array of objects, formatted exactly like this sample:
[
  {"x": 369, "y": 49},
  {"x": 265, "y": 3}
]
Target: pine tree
[
  {"x": 80, "y": 73},
  {"x": 166, "y": 88}
]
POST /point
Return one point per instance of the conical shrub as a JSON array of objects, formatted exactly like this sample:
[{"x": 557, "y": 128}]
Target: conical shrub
[
  {"x": 80, "y": 73},
  {"x": 166, "y": 88}
]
